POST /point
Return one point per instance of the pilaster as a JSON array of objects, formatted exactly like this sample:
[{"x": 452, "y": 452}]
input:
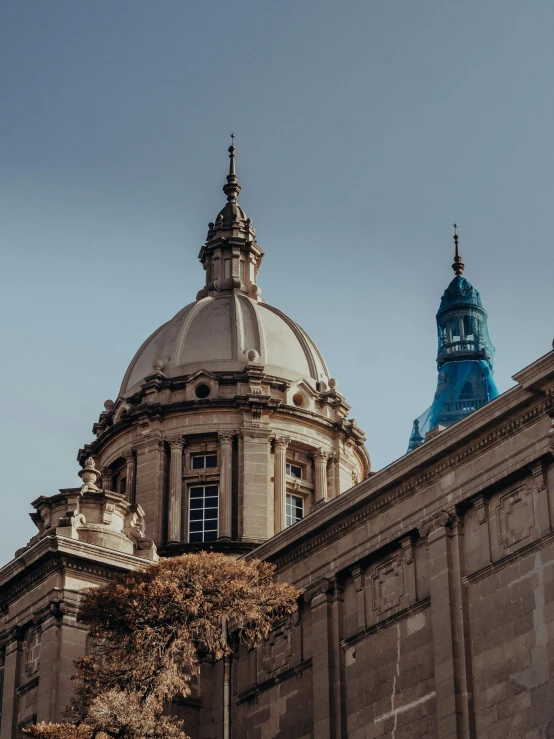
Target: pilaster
[
  {"x": 444, "y": 532},
  {"x": 174, "y": 526},
  {"x": 257, "y": 501},
  {"x": 226, "y": 484},
  {"x": 150, "y": 481},
  {"x": 12, "y": 672},
  {"x": 320, "y": 458},
  {"x": 281, "y": 444},
  {"x": 131, "y": 472}
]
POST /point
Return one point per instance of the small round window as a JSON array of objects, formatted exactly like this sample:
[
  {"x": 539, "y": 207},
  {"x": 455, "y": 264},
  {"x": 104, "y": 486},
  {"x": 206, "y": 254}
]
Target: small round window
[
  {"x": 202, "y": 391},
  {"x": 299, "y": 400}
]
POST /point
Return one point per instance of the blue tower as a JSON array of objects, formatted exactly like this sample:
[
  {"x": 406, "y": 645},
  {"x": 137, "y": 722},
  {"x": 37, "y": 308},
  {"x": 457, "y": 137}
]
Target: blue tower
[{"x": 464, "y": 358}]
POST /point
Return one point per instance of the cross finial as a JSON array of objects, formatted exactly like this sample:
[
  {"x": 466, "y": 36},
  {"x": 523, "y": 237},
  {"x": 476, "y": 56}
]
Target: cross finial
[
  {"x": 232, "y": 135},
  {"x": 458, "y": 265}
]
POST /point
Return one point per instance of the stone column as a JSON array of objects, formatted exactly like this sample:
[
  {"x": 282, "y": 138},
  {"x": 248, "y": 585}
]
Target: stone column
[
  {"x": 131, "y": 460},
  {"x": 226, "y": 484},
  {"x": 451, "y": 654},
  {"x": 320, "y": 461},
  {"x": 107, "y": 479},
  {"x": 175, "y": 488},
  {"x": 281, "y": 444}
]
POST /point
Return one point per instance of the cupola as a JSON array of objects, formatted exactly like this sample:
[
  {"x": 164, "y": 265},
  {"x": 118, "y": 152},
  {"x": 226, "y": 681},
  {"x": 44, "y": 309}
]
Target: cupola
[{"x": 464, "y": 357}]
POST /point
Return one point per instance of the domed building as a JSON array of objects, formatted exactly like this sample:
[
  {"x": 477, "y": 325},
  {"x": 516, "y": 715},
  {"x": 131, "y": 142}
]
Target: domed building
[
  {"x": 426, "y": 604},
  {"x": 227, "y": 427}
]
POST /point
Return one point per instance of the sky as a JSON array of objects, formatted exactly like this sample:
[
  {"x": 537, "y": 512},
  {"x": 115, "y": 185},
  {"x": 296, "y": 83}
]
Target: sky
[{"x": 365, "y": 128}]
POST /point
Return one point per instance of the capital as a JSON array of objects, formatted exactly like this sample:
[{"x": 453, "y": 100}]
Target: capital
[
  {"x": 225, "y": 437},
  {"x": 282, "y": 441},
  {"x": 175, "y": 441},
  {"x": 130, "y": 454},
  {"x": 321, "y": 454},
  {"x": 438, "y": 520}
]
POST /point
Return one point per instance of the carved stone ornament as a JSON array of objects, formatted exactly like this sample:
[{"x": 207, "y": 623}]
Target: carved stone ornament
[
  {"x": 321, "y": 587},
  {"x": 388, "y": 585},
  {"x": 551, "y": 434},
  {"x": 481, "y": 505},
  {"x": 320, "y": 454},
  {"x": 537, "y": 470},
  {"x": 90, "y": 476},
  {"x": 225, "y": 437},
  {"x": 175, "y": 441},
  {"x": 358, "y": 576},
  {"x": 408, "y": 549},
  {"x": 436, "y": 521},
  {"x": 282, "y": 441},
  {"x": 130, "y": 454}
]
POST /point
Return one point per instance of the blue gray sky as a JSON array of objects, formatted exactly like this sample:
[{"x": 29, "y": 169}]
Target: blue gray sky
[{"x": 364, "y": 130}]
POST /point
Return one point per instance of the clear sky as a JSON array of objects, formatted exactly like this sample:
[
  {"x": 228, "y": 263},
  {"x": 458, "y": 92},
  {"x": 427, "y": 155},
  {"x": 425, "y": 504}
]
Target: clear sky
[{"x": 365, "y": 128}]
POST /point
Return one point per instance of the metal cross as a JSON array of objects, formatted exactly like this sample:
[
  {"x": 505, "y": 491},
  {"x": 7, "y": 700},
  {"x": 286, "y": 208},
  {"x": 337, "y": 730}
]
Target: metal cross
[
  {"x": 455, "y": 226},
  {"x": 232, "y": 135}
]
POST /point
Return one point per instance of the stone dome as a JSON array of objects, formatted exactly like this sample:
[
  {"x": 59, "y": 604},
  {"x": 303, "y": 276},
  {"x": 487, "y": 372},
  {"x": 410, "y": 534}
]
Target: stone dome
[{"x": 224, "y": 333}]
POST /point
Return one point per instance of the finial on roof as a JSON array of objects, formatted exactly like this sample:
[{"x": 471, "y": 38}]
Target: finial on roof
[
  {"x": 458, "y": 265},
  {"x": 232, "y": 187}
]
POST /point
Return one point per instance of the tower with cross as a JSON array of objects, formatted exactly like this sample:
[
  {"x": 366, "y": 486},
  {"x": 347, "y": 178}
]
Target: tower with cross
[{"x": 464, "y": 358}]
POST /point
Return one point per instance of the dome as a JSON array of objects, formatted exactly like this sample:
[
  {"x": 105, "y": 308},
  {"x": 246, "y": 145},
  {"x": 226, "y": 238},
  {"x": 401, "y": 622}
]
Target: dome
[
  {"x": 460, "y": 292},
  {"x": 223, "y": 334}
]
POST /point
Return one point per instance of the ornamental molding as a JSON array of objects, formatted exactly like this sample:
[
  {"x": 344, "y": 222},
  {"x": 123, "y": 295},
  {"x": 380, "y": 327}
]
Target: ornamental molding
[
  {"x": 282, "y": 441},
  {"x": 385, "y": 500},
  {"x": 175, "y": 441},
  {"x": 226, "y": 437}
]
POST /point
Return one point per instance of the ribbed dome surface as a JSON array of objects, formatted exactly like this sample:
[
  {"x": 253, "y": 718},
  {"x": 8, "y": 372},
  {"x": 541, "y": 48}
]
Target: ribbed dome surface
[{"x": 217, "y": 333}]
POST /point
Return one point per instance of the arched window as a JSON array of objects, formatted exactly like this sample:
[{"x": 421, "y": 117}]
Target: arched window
[{"x": 467, "y": 391}]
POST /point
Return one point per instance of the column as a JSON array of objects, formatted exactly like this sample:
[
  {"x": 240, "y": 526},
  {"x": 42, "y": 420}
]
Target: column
[
  {"x": 107, "y": 479},
  {"x": 226, "y": 484},
  {"x": 451, "y": 657},
  {"x": 280, "y": 476},
  {"x": 131, "y": 460},
  {"x": 320, "y": 462},
  {"x": 151, "y": 484},
  {"x": 175, "y": 488}
]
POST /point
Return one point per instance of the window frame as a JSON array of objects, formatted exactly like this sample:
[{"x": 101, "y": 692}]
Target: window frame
[
  {"x": 289, "y": 505},
  {"x": 203, "y": 530},
  {"x": 288, "y": 468},
  {"x": 204, "y": 456}
]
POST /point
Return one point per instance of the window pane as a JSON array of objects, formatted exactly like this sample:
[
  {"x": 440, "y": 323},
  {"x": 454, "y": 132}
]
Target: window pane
[
  {"x": 203, "y": 512},
  {"x": 211, "y": 490},
  {"x": 196, "y": 525},
  {"x": 197, "y": 492},
  {"x": 211, "y": 460},
  {"x": 198, "y": 463},
  {"x": 210, "y": 536},
  {"x": 196, "y": 514},
  {"x": 196, "y": 503},
  {"x": 211, "y": 513},
  {"x": 195, "y": 537}
]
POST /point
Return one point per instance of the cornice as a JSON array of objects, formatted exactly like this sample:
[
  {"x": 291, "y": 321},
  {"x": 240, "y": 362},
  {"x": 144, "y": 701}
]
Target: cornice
[{"x": 379, "y": 491}]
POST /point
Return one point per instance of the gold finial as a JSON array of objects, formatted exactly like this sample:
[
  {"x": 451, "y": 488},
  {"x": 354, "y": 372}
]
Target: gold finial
[{"x": 458, "y": 265}]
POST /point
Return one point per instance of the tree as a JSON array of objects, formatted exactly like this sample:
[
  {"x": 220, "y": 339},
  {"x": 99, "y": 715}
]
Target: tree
[{"x": 151, "y": 628}]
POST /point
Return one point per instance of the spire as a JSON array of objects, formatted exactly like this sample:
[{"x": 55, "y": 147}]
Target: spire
[
  {"x": 232, "y": 187},
  {"x": 458, "y": 265}
]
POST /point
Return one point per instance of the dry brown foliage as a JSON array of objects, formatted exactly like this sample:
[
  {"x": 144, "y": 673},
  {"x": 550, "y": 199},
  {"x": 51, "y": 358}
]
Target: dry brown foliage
[{"x": 151, "y": 628}]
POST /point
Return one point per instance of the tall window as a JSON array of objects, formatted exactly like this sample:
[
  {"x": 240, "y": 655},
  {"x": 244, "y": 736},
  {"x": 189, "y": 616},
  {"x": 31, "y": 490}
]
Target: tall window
[
  {"x": 294, "y": 509},
  {"x": 204, "y": 461},
  {"x": 203, "y": 511}
]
